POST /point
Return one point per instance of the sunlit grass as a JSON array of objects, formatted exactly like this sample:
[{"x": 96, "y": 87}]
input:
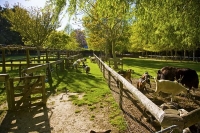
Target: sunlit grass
[{"x": 140, "y": 65}]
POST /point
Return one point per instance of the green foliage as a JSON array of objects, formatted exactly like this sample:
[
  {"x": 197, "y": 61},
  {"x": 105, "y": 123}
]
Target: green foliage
[
  {"x": 166, "y": 25},
  {"x": 6, "y": 35},
  {"x": 74, "y": 43},
  {"x": 33, "y": 24},
  {"x": 59, "y": 40}
]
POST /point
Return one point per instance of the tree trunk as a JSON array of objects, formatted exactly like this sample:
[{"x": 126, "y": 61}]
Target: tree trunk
[
  {"x": 184, "y": 55},
  {"x": 107, "y": 51},
  {"x": 193, "y": 55},
  {"x": 114, "y": 55},
  {"x": 175, "y": 54}
]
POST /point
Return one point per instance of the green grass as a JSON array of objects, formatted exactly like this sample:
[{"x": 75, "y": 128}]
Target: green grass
[{"x": 152, "y": 66}]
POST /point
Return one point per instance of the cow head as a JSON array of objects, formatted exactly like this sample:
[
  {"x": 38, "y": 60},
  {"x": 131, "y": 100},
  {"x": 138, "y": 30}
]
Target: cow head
[{"x": 159, "y": 74}]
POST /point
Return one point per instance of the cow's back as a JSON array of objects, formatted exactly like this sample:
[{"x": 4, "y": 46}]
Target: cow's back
[
  {"x": 189, "y": 77},
  {"x": 167, "y": 73}
]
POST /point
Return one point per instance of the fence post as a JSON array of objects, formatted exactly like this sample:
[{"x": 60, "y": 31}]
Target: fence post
[
  {"x": 7, "y": 87},
  {"x": 120, "y": 94},
  {"x": 109, "y": 78},
  {"x": 3, "y": 61},
  {"x": 48, "y": 73},
  {"x": 62, "y": 65},
  {"x": 65, "y": 62},
  {"x": 10, "y": 95},
  {"x": 104, "y": 71},
  {"x": 44, "y": 99},
  {"x": 101, "y": 66}
]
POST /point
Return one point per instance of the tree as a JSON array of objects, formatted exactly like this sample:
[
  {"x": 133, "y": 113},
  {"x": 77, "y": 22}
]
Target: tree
[
  {"x": 57, "y": 40},
  {"x": 159, "y": 25},
  {"x": 112, "y": 15},
  {"x": 80, "y": 38},
  {"x": 33, "y": 24},
  {"x": 8, "y": 36},
  {"x": 110, "y": 24},
  {"x": 170, "y": 25},
  {"x": 60, "y": 40}
]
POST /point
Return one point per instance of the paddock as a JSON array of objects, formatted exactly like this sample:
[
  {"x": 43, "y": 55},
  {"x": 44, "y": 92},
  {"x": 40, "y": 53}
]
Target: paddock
[{"x": 129, "y": 102}]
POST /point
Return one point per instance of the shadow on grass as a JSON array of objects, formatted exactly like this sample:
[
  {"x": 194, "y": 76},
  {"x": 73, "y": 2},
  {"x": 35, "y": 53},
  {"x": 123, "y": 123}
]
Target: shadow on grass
[{"x": 74, "y": 81}]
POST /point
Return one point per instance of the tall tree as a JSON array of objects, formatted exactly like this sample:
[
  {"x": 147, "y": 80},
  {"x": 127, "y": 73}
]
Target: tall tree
[
  {"x": 112, "y": 15},
  {"x": 110, "y": 24},
  {"x": 33, "y": 24},
  {"x": 170, "y": 25}
]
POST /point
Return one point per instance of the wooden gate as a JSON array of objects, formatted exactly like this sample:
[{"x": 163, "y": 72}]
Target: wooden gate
[{"x": 26, "y": 92}]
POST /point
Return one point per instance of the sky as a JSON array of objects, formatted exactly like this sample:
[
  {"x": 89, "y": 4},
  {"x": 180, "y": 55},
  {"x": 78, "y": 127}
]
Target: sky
[{"x": 40, "y": 3}]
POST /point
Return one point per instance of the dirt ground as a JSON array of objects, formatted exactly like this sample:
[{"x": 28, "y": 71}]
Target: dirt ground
[
  {"x": 137, "y": 121},
  {"x": 61, "y": 116}
]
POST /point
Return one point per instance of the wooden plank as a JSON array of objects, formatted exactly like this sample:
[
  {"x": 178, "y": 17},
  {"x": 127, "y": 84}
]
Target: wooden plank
[
  {"x": 18, "y": 94},
  {"x": 36, "y": 91},
  {"x": 191, "y": 118},
  {"x": 23, "y": 78},
  {"x": 37, "y": 104},
  {"x": 56, "y": 62},
  {"x": 34, "y": 69},
  {"x": 18, "y": 64}
]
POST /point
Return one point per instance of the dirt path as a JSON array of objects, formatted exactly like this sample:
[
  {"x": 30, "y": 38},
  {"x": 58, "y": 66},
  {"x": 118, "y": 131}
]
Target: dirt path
[{"x": 60, "y": 116}]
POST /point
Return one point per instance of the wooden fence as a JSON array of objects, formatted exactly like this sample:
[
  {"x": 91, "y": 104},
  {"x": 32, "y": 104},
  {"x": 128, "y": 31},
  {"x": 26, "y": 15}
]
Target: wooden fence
[
  {"x": 29, "y": 90},
  {"x": 166, "y": 120},
  {"x": 24, "y": 91}
]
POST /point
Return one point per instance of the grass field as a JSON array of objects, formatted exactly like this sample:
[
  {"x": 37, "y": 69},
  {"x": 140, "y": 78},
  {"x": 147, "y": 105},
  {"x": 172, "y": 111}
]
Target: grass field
[{"x": 140, "y": 65}]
